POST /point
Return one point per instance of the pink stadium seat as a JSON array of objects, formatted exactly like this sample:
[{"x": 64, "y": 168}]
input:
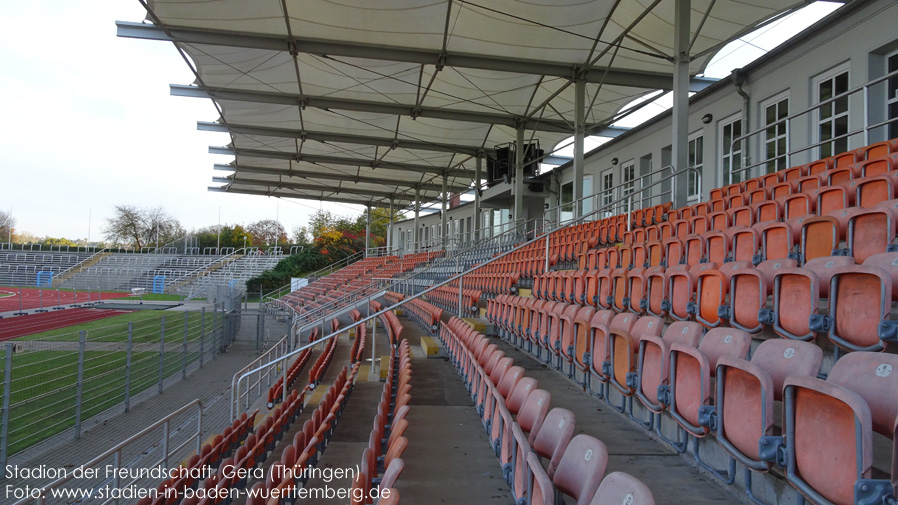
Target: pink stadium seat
[
  {"x": 553, "y": 437},
  {"x": 579, "y": 474},
  {"x": 623, "y": 346},
  {"x": 871, "y": 231},
  {"x": 796, "y": 295},
  {"x": 860, "y": 299},
  {"x": 746, "y": 392},
  {"x": 620, "y": 488},
  {"x": 749, "y": 289},
  {"x": 691, "y": 370},
  {"x": 652, "y": 362},
  {"x": 829, "y": 425},
  {"x": 711, "y": 289},
  {"x": 599, "y": 352}
]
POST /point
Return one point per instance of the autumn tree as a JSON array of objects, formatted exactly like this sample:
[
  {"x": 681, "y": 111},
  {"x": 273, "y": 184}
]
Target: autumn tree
[{"x": 267, "y": 232}]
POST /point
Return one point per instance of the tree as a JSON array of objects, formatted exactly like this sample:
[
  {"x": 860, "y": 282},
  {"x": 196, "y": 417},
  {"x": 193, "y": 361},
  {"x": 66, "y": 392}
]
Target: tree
[
  {"x": 323, "y": 220},
  {"x": 51, "y": 241},
  {"x": 380, "y": 223},
  {"x": 235, "y": 236},
  {"x": 301, "y": 235},
  {"x": 267, "y": 232},
  {"x": 140, "y": 227},
  {"x": 7, "y": 226}
]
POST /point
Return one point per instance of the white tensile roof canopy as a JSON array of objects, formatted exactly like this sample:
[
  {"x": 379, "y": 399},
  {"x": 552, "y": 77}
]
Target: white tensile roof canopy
[{"x": 369, "y": 102}]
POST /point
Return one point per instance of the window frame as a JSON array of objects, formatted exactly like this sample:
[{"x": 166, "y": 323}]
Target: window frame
[
  {"x": 778, "y": 161},
  {"x": 831, "y": 75},
  {"x": 725, "y": 156}
]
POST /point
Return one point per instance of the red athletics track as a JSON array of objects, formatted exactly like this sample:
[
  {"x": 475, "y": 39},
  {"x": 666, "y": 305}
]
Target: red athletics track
[
  {"x": 13, "y": 327},
  {"x": 31, "y": 298}
]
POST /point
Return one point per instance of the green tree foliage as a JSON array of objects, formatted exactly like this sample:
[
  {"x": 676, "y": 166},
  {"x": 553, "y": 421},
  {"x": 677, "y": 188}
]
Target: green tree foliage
[
  {"x": 330, "y": 238},
  {"x": 231, "y": 236}
]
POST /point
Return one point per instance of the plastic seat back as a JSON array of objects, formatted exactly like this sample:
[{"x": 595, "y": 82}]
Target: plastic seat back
[
  {"x": 581, "y": 468},
  {"x": 652, "y": 363},
  {"x": 746, "y": 392},
  {"x": 582, "y": 332},
  {"x": 874, "y": 190},
  {"x": 777, "y": 241},
  {"x": 625, "y": 344},
  {"x": 619, "y": 488},
  {"x": 553, "y": 437},
  {"x": 655, "y": 291},
  {"x": 533, "y": 412},
  {"x": 860, "y": 297},
  {"x": 856, "y": 400},
  {"x": 519, "y": 394},
  {"x": 871, "y": 231},
  {"x": 691, "y": 370}
]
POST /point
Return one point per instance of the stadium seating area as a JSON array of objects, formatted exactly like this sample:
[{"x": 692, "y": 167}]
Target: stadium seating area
[
  {"x": 536, "y": 447},
  {"x": 757, "y": 325},
  {"x": 383, "y": 456},
  {"x": 357, "y": 279},
  {"x": 801, "y": 261}
]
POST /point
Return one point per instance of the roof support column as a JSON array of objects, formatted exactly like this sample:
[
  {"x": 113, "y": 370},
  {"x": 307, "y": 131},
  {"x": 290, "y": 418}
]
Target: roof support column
[
  {"x": 680, "y": 127},
  {"x": 415, "y": 237},
  {"x": 390, "y": 228},
  {"x": 443, "y": 232},
  {"x": 477, "y": 219},
  {"x": 579, "y": 136},
  {"x": 518, "y": 212},
  {"x": 367, "y": 227}
]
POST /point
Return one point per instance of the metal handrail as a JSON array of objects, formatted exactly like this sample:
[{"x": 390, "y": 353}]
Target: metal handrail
[
  {"x": 270, "y": 356},
  {"x": 116, "y": 452},
  {"x": 621, "y": 199},
  {"x": 787, "y": 120}
]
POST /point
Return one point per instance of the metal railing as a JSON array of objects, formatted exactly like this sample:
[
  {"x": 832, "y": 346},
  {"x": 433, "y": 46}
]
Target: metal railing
[
  {"x": 266, "y": 369},
  {"x": 553, "y": 217},
  {"x": 80, "y": 266},
  {"x": 102, "y": 467},
  {"x": 787, "y": 156},
  {"x": 486, "y": 233}
]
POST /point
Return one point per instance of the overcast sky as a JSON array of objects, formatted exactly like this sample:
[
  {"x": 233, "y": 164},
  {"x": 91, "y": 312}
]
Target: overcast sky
[{"x": 88, "y": 123}]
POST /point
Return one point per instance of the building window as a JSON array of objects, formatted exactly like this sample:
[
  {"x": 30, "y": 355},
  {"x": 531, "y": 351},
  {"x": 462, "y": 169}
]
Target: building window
[
  {"x": 607, "y": 191},
  {"x": 697, "y": 161},
  {"x": 731, "y": 154},
  {"x": 775, "y": 133},
  {"x": 567, "y": 196},
  {"x": 892, "y": 95},
  {"x": 832, "y": 117},
  {"x": 587, "y": 205},
  {"x": 628, "y": 185}
]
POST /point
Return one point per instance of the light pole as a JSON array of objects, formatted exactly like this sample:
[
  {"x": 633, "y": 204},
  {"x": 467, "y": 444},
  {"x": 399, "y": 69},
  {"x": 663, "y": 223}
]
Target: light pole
[{"x": 218, "y": 239}]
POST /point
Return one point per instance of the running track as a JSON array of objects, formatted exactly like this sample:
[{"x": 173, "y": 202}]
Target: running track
[
  {"x": 13, "y": 327},
  {"x": 31, "y": 298}
]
